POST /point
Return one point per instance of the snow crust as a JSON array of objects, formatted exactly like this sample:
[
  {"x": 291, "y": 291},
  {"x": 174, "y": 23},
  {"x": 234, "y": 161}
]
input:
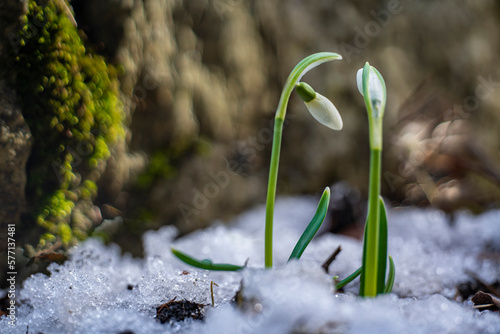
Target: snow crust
[{"x": 101, "y": 291}]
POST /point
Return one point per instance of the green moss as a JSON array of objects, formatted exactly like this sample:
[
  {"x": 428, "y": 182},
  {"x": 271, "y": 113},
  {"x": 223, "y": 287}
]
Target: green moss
[
  {"x": 70, "y": 102},
  {"x": 159, "y": 167}
]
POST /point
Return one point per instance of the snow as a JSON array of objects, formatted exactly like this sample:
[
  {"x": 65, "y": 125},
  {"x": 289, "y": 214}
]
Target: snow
[{"x": 99, "y": 290}]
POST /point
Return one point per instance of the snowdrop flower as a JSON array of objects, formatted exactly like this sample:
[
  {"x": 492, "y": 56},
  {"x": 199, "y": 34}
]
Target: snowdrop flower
[
  {"x": 319, "y": 106},
  {"x": 324, "y": 112},
  {"x": 371, "y": 85}
]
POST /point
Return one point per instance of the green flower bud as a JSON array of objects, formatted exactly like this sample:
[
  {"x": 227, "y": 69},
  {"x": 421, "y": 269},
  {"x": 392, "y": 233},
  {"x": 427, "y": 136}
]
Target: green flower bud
[{"x": 306, "y": 92}]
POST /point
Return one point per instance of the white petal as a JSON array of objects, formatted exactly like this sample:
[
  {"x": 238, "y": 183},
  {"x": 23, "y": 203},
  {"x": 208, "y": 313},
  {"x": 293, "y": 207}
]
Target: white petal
[
  {"x": 359, "y": 80},
  {"x": 376, "y": 87},
  {"x": 325, "y": 112}
]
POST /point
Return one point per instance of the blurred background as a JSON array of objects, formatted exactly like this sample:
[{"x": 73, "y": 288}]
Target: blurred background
[{"x": 198, "y": 84}]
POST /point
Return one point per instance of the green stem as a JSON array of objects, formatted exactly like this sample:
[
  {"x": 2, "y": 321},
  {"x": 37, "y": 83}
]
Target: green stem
[
  {"x": 371, "y": 256},
  {"x": 271, "y": 191},
  {"x": 302, "y": 68}
]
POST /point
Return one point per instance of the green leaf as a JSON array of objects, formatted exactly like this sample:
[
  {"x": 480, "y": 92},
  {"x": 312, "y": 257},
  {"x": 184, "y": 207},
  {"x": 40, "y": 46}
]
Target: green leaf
[
  {"x": 381, "y": 265},
  {"x": 205, "y": 264},
  {"x": 348, "y": 279},
  {"x": 313, "y": 226},
  {"x": 382, "y": 247},
  {"x": 391, "y": 276},
  {"x": 369, "y": 274},
  {"x": 362, "y": 268}
]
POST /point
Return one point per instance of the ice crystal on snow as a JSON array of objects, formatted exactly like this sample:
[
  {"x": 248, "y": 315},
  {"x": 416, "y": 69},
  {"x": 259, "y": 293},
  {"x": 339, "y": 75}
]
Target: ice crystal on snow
[{"x": 101, "y": 291}]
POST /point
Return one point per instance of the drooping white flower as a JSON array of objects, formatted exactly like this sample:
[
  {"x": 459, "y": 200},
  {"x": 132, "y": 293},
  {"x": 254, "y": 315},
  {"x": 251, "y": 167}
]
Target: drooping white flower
[{"x": 321, "y": 108}]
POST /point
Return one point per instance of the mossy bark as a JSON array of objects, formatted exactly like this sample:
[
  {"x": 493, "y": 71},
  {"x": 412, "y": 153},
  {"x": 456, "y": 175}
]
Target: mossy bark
[{"x": 70, "y": 100}]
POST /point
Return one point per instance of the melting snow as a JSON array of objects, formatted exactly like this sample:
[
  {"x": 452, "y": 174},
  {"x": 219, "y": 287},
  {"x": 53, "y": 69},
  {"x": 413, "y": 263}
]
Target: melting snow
[{"x": 101, "y": 291}]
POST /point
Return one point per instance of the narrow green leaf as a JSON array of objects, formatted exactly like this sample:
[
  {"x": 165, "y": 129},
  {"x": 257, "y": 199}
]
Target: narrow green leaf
[
  {"x": 348, "y": 279},
  {"x": 382, "y": 247},
  {"x": 369, "y": 275},
  {"x": 363, "y": 269},
  {"x": 391, "y": 276},
  {"x": 205, "y": 264},
  {"x": 382, "y": 252},
  {"x": 313, "y": 226}
]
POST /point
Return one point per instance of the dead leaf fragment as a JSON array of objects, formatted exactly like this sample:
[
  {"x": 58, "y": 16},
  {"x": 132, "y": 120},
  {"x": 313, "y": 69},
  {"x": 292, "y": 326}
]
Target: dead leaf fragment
[{"x": 485, "y": 301}]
